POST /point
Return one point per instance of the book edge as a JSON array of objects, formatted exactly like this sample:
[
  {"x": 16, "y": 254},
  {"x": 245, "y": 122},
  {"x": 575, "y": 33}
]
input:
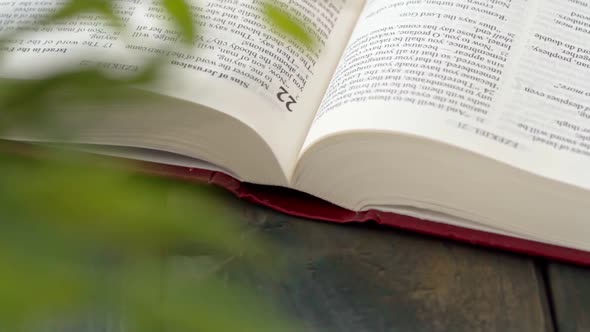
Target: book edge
[{"x": 303, "y": 205}]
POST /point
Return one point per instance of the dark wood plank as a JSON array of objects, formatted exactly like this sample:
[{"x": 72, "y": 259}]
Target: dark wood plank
[
  {"x": 570, "y": 290},
  {"x": 358, "y": 278}
]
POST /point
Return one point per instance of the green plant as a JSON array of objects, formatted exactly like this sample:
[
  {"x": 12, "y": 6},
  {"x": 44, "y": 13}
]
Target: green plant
[{"x": 82, "y": 236}]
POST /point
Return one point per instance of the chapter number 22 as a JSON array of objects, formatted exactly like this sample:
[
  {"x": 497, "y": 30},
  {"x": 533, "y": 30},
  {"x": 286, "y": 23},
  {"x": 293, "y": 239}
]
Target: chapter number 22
[{"x": 285, "y": 97}]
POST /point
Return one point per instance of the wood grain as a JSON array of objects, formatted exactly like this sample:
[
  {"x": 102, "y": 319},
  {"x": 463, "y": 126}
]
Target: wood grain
[
  {"x": 366, "y": 278},
  {"x": 359, "y": 278},
  {"x": 570, "y": 290}
]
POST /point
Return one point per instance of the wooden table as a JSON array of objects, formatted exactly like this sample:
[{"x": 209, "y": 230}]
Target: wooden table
[
  {"x": 364, "y": 278},
  {"x": 368, "y": 278}
]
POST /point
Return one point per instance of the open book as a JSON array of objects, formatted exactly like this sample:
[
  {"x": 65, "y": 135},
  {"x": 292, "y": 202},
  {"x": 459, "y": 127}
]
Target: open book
[{"x": 469, "y": 113}]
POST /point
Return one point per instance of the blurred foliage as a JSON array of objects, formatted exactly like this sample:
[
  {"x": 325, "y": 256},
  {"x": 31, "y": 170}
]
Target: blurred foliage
[
  {"x": 72, "y": 8},
  {"x": 83, "y": 86},
  {"x": 288, "y": 24},
  {"x": 80, "y": 235},
  {"x": 79, "y": 232}
]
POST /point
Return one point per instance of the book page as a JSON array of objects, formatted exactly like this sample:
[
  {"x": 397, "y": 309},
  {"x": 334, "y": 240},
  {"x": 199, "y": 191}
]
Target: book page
[
  {"x": 547, "y": 101},
  {"x": 505, "y": 79},
  {"x": 236, "y": 64}
]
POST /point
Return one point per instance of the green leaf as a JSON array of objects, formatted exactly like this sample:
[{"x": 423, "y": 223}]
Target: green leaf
[
  {"x": 60, "y": 90},
  {"x": 288, "y": 24},
  {"x": 41, "y": 288},
  {"x": 182, "y": 14},
  {"x": 106, "y": 9},
  {"x": 68, "y": 223},
  {"x": 169, "y": 299},
  {"x": 71, "y": 9},
  {"x": 73, "y": 229},
  {"x": 77, "y": 7},
  {"x": 109, "y": 207}
]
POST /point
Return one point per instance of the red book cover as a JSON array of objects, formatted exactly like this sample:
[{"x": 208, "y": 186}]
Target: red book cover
[{"x": 306, "y": 206}]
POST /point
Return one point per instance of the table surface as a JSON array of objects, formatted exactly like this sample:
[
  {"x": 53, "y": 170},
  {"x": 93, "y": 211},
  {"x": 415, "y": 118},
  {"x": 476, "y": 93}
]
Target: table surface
[
  {"x": 356, "y": 278},
  {"x": 369, "y": 278}
]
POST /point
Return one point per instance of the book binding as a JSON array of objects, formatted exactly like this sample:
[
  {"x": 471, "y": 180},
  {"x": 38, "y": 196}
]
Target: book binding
[{"x": 302, "y": 205}]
